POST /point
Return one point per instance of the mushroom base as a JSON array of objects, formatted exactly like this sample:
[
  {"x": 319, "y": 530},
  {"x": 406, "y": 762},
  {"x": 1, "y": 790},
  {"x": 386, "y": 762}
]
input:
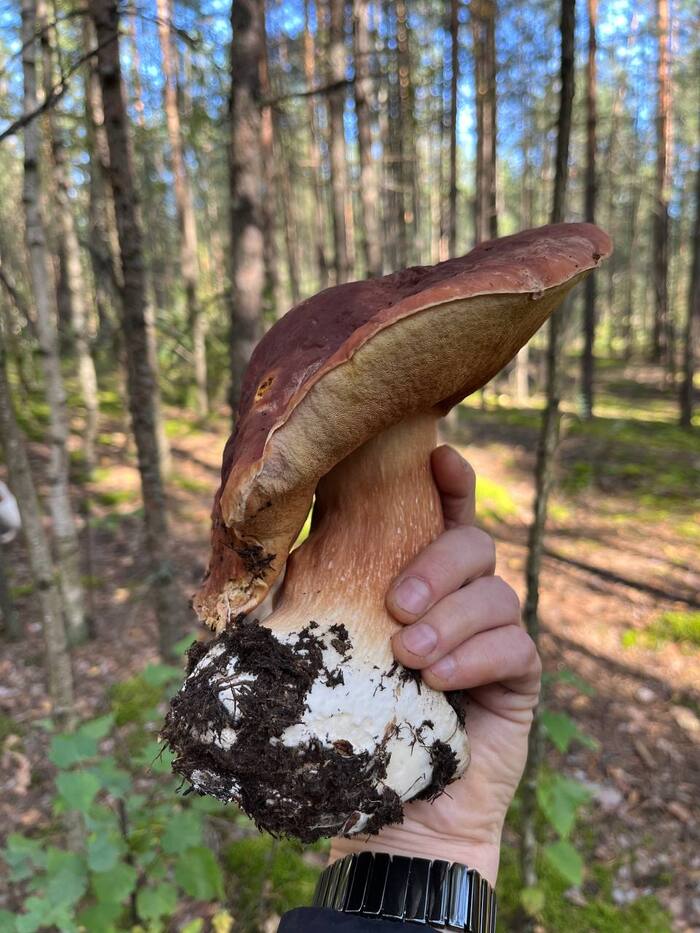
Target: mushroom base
[{"x": 263, "y": 720}]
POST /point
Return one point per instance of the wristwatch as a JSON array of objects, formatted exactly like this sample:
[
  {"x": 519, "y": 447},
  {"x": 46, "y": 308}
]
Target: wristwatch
[{"x": 442, "y": 895}]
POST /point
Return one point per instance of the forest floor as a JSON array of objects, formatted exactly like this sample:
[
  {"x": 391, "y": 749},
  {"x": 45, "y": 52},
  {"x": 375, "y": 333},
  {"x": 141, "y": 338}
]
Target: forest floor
[{"x": 620, "y": 613}]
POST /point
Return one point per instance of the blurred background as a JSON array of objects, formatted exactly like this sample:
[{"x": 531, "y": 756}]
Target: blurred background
[{"x": 174, "y": 175}]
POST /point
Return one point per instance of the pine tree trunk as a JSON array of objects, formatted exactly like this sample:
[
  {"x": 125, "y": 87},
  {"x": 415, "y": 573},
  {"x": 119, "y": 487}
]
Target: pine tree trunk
[
  {"x": 319, "y": 225},
  {"x": 547, "y": 445},
  {"x": 483, "y": 18},
  {"x": 336, "y": 107},
  {"x": 142, "y": 388},
  {"x": 407, "y": 135},
  {"x": 587, "y": 360},
  {"x": 286, "y": 199},
  {"x": 58, "y": 665},
  {"x": 369, "y": 185},
  {"x": 189, "y": 263},
  {"x": 692, "y": 321},
  {"x": 41, "y": 274},
  {"x": 454, "y": 88},
  {"x": 246, "y": 188},
  {"x": 661, "y": 349}
]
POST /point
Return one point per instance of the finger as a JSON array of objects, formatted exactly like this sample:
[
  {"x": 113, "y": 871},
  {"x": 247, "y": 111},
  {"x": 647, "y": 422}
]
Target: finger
[
  {"x": 505, "y": 655},
  {"x": 485, "y": 604},
  {"x": 456, "y": 482},
  {"x": 460, "y": 554}
]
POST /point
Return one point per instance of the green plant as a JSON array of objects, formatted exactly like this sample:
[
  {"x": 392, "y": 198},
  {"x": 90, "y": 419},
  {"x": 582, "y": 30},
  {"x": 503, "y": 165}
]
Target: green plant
[
  {"x": 682, "y": 628},
  {"x": 141, "y": 849}
]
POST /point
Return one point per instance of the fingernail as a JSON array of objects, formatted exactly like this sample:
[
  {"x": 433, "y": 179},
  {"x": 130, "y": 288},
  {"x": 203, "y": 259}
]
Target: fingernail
[
  {"x": 444, "y": 668},
  {"x": 419, "y": 638},
  {"x": 412, "y": 595}
]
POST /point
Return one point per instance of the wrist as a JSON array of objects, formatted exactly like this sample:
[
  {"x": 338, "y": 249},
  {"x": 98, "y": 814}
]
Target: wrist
[{"x": 483, "y": 855}]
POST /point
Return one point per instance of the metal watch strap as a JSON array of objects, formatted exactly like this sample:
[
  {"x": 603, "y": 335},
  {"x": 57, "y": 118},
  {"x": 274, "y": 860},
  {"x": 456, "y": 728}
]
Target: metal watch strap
[{"x": 443, "y": 895}]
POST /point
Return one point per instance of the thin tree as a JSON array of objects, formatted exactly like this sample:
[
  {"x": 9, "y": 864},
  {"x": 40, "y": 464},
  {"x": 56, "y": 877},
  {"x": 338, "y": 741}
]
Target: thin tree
[
  {"x": 589, "y": 310},
  {"x": 58, "y": 665},
  {"x": 548, "y": 439},
  {"x": 338, "y": 157},
  {"x": 483, "y": 20},
  {"x": 369, "y": 184},
  {"x": 454, "y": 90},
  {"x": 661, "y": 334},
  {"x": 141, "y": 382},
  {"x": 409, "y": 202},
  {"x": 246, "y": 187},
  {"x": 41, "y": 276},
  {"x": 692, "y": 321},
  {"x": 319, "y": 213},
  {"x": 189, "y": 262}
]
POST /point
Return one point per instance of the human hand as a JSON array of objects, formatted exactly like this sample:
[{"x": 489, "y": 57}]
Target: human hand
[{"x": 466, "y": 635}]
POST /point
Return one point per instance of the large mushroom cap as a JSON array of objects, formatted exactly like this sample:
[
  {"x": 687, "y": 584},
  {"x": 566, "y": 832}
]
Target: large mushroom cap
[{"x": 354, "y": 359}]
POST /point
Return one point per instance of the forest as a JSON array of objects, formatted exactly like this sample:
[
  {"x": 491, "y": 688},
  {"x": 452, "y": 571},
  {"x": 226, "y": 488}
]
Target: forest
[{"x": 175, "y": 175}]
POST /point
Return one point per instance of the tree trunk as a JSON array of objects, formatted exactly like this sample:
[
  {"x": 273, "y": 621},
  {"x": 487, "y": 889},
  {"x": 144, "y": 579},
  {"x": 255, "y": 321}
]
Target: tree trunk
[
  {"x": 286, "y": 200},
  {"x": 319, "y": 225},
  {"x": 141, "y": 382},
  {"x": 547, "y": 445},
  {"x": 692, "y": 321},
  {"x": 41, "y": 274},
  {"x": 407, "y": 136},
  {"x": 587, "y": 360},
  {"x": 189, "y": 263},
  {"x": 483, "y": 17},
  {"x": 369, "y": 185},
  {"x": 661, "y": 348},
  {"x": 246, "y": 188},
  {"x": 454, "y": 89},
  {"x": 336, "y": 107},
  {"x": 69, "y": 250},
  {"x": 58, "y": 665}
]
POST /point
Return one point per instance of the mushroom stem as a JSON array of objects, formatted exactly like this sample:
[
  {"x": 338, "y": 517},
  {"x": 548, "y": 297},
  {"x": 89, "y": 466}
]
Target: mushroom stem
[{"x": 373, "y": 513}]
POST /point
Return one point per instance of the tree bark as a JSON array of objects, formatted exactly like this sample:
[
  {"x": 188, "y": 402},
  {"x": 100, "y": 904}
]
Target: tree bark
[
  {"x": 661, "y": 343},
  {"x": 336, "y": 107},
  {"x": 246, "y": 188},
  {"x": 315, "y": 155},
  {"x": 369, "y": 184},
  {"x": 547, "y": 445},
  {"x": 589, "y": 310},
  {"x": 189, "y": 263},
  {"x": 141, "y": 382},
  {"x": 483, "y": 18},
  {"x": 69, "y": 250},
  {"x": 408, "y": 156},
  {"x": 58, "y": 665},
  {"x": 692, "y": 321},
  {"x": 41, "y": 275},
  {"x": 454, "y": 89}
]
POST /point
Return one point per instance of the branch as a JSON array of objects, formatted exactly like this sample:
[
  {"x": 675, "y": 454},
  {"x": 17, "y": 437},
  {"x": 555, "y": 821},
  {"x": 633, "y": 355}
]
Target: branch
[
  {"x": 55, "y": 94},
  {"x": 311, "y": 92}
]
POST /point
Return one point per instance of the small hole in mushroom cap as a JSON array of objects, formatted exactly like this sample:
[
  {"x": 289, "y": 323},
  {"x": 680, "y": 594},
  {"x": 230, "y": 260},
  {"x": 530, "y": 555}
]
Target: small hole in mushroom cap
[{"x": 264, "y": 388}]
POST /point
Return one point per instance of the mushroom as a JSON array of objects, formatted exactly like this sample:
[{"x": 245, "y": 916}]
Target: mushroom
[{"x": 304, "y": 718}]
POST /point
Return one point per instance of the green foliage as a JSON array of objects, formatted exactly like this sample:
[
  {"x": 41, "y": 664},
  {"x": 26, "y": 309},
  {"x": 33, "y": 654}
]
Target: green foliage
[
  {"x": 264, "y": 868},
  {"x": 555, "y": 913},
  {"x": 681, "y": 628},
  {"x": 493, "y": 501},
  {"x": 140, "y": 852},
  {"x": 559, "y": 798},
  {"x": 561, "y": 729}
]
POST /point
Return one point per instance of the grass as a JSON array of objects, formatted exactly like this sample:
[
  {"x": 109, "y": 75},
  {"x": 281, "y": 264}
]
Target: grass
[
  {"x": 493, "y": 501},
  {"x": 679, "y": 627}
]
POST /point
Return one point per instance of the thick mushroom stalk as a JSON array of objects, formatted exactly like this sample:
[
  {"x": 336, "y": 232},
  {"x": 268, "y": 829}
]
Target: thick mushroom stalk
[
  {"x": 361, "y": 733},
  {"x": 305, "y": 719}
]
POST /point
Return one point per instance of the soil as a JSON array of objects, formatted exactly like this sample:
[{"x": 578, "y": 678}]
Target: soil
[{"x": 601, "y": 578}]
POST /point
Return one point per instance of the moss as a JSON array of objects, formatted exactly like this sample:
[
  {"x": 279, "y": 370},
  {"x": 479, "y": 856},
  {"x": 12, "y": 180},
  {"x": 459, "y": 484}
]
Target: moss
[
  {"x": 493, "y": 501},
  {"x": 196, "y": 486},
  {"x": 681, "y": 628},
  {"x": 133, "y": 700},
  {"x": 8, "y": 727},
  {"x": 114, "y": 497},
  {"x": 599, "y": 915},
  {"x": 271, "y": 876}
]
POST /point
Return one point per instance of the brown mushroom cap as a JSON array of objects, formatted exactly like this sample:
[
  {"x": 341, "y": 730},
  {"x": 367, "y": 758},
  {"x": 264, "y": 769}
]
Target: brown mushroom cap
[{"x": 345, "y": 364}]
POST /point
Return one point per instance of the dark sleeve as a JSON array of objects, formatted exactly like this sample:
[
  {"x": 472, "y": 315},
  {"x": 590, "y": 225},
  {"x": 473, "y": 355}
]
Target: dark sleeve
[{"x": 325, "y": 920}]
